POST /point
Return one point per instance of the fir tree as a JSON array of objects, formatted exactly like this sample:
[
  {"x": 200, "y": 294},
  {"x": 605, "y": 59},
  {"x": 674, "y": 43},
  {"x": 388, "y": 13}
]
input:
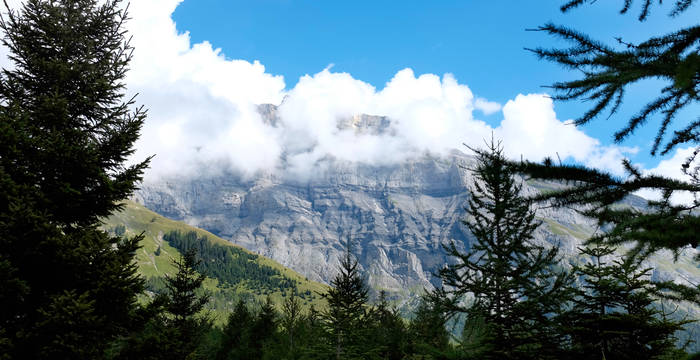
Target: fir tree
[
  {"x": 65, "y": 133},
  {"x": 616, "y": 314},
  {"x": 514, "y": 282},
  {"x": 427, "y": 331},
  {"x": 388, "y": 332},
  {"x": 345, "y": 318}
]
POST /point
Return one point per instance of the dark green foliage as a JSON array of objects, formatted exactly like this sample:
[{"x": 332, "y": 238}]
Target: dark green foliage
[
  {"x": 346, "y": 318},
  {"x": 614, "y": 314},
  {"x": 663, "y": 225},
  {"x": 180, "y": 325},
  {"x": 290, "y": 323},
  {"x": 184, "y": 299},
  {"x": 679, "y": 7},
  {"x": 388, "y": 332},
  {"x": 235, "y": 334},
  {"x": 229, "y": 264},
  {"x": 515, "y": 284},
  {"x": 249, "y": 335},
  {"x": 65, "y": 133},
  {"x": 428, "y": 334}
]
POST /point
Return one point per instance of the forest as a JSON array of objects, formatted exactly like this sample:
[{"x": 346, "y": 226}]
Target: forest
[{"x": 71, "y": 290}]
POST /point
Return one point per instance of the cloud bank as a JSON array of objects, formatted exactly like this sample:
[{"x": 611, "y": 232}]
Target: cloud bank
[{"x": 203, "y": 112}]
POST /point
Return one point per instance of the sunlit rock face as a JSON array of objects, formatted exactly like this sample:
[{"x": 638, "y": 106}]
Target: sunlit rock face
[{"x": 397, "y": 217}]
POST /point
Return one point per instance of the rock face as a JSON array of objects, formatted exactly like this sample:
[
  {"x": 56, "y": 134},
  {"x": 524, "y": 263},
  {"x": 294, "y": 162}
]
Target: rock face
[{"x": 396, "y": 217}]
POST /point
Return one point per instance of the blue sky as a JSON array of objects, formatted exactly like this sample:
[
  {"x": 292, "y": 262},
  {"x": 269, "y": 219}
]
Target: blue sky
[
  {"x": 480, "y": 42},
  {"x": 444, "y": 72}
]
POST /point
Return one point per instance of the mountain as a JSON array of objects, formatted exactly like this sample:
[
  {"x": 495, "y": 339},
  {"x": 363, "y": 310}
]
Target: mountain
[
  {"x": 396, "y": 216},
  {"x": 232, "y": 271}
]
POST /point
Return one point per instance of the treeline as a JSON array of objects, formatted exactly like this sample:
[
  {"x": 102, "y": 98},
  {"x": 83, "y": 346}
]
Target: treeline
[
  {"x": 511, "y": 297},
  {"x": 347, "y": 328},
  {"x": 230, "y": 265}
]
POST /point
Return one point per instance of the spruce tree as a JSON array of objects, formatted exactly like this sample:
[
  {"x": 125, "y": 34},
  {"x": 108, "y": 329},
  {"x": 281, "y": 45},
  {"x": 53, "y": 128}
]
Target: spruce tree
[
  {"x": 186, "y": 323},
  {"x": 68, "y": 288},
  {"x": 515, "y": 284},
  {"x": 427, "y": 330},
  {"x": 235, "y": 338},
  {"x": 290, "y": 322},
  {"x": 345, "y": 318},
  {"x": 180, "y": 323},
  {"x": 388, "y": 333},
  {"x": 608, "y": 70},
  {"x": 615, "y": 314}
]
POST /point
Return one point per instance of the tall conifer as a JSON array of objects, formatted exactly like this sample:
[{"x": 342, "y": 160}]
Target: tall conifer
[
  {"x": 345, "y": 317},
  {"x": 65, "y": 134},
  {"x": 514, "y": 282}
]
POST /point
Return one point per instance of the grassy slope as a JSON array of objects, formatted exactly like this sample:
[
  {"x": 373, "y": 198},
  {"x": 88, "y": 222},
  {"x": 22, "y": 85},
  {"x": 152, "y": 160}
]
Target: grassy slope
[{"x": 137, "y": 218}]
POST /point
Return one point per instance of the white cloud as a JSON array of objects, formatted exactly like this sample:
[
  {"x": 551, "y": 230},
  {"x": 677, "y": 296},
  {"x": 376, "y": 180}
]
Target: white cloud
[
  {"x": 487, "y": 107},
  {"x": 202, "y": 112}
]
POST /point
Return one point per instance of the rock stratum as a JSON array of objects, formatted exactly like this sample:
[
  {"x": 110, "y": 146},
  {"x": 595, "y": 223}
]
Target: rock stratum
[{"x": 397, "y": 217}]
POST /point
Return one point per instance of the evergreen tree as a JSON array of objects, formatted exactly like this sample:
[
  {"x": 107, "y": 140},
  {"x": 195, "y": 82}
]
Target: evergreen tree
[
  {"x": 427, "y": 331},
  {"x": 388, "y": 333},
  {"x": 615, "y": 315},
  {"x": 609, "y": 70},
  {"x": 263, "y": 330},
  {"x": 514, "y": 282},
  {"x": 234, "y": 341},
  {"x": 290, "y": 322},
  {"x": 65, "y": 133},
  {"x": 180, "y": 324},
  {"x": 345, "y": 319},
  {"x": 185, "y": 323}
]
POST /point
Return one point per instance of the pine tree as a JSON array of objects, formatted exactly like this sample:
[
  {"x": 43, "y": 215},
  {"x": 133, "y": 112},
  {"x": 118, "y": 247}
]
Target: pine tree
[
  {"x": 69, "y": 288},
  {"x": 615, "y": 314},
  {"x": 515, "y": 285},
  {"x": 345, "y": 319}
]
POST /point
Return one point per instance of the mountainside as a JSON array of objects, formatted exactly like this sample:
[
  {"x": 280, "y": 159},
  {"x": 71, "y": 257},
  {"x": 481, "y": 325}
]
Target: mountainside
[
  {"x": 397, "y": 217},
  {"x": 236, "y": 274}
]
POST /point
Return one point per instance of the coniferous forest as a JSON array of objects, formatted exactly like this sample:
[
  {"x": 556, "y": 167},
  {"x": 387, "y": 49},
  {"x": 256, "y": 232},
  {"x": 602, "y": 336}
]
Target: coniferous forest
[{"x": 71, "y": 290}]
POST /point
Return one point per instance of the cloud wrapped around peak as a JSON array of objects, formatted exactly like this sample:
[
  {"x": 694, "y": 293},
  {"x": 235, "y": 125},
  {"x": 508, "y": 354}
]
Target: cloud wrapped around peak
[{"x": 203, "y": 112}]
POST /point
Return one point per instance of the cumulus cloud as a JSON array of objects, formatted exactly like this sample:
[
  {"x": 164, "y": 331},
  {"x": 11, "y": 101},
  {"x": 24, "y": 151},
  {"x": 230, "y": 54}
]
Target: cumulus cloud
[
  {"x": 487, "y": 107},
  {"x": 203, "y": 112}
]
